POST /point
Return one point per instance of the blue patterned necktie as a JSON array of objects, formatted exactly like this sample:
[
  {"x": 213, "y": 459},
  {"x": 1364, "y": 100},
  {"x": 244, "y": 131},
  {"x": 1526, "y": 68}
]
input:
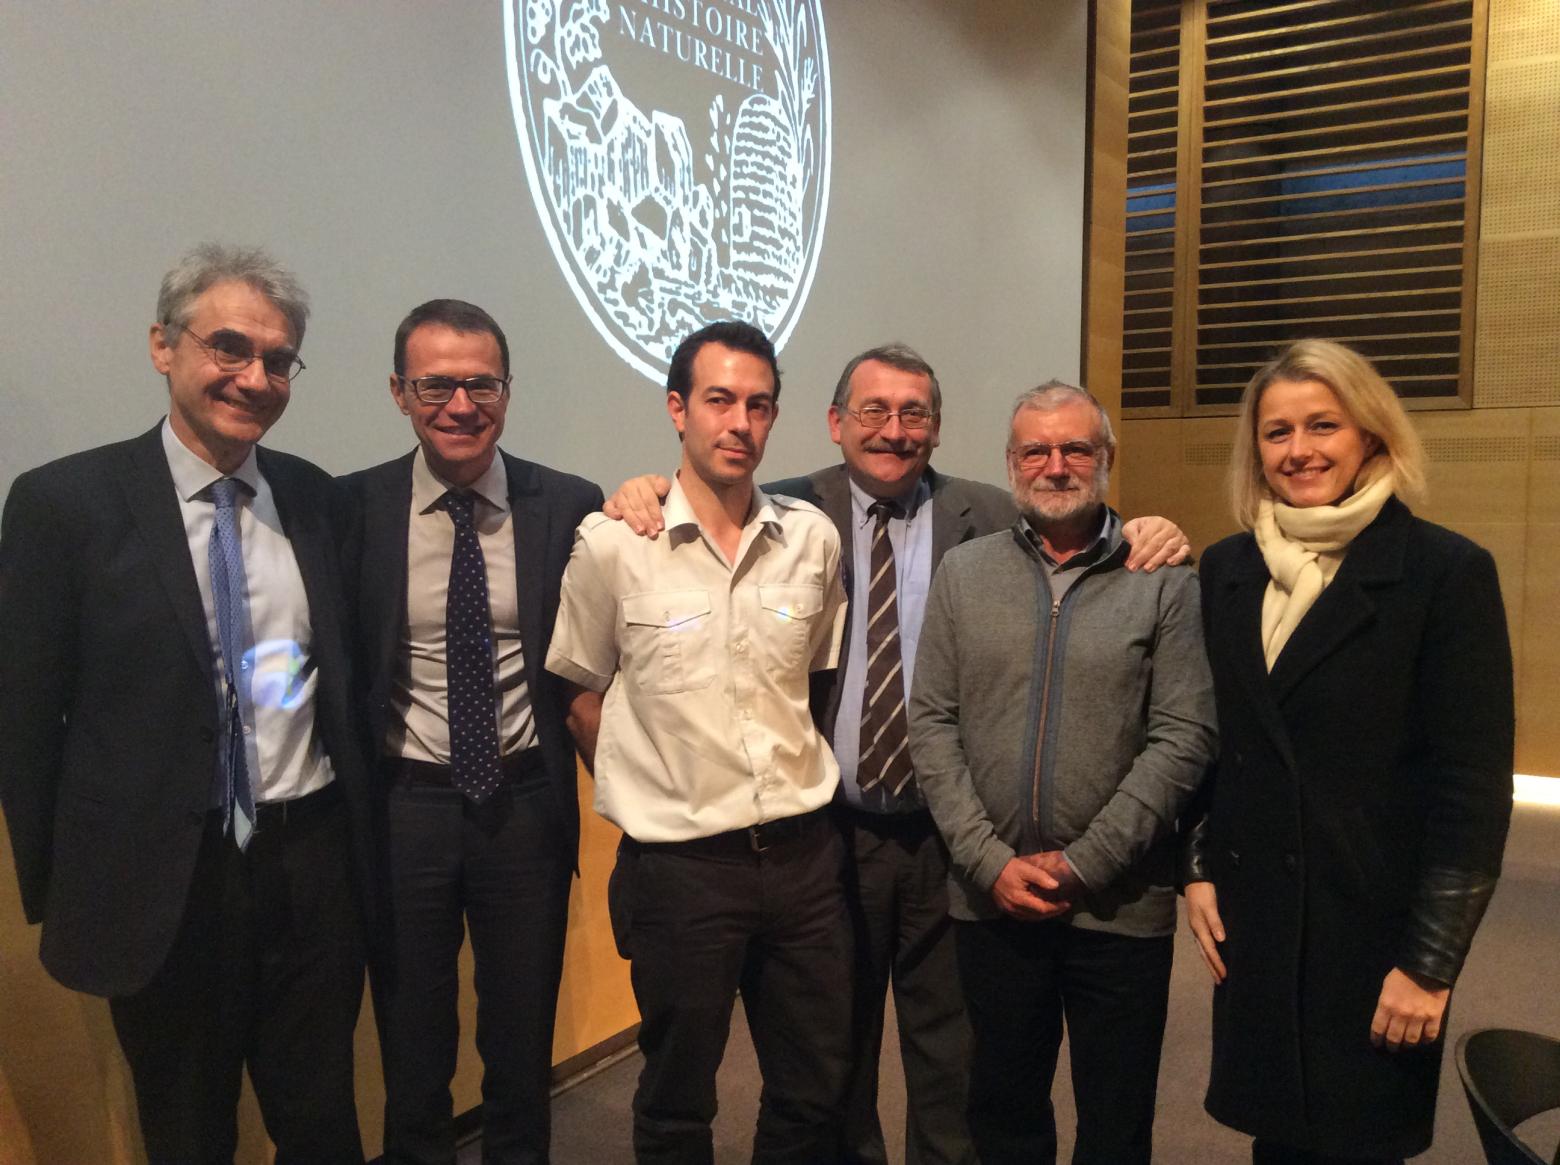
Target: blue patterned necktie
[
  {"x": 230, "y": 597},
  {"x": 468, "y": 660}
]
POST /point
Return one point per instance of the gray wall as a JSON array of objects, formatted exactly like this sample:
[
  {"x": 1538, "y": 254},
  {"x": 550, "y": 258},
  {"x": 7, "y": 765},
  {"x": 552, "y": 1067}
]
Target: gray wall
[{"x": 373, "y": 148}]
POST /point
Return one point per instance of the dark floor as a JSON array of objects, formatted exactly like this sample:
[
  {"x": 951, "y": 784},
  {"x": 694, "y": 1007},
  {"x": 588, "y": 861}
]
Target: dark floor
[{"x": 1509, "y": 981}]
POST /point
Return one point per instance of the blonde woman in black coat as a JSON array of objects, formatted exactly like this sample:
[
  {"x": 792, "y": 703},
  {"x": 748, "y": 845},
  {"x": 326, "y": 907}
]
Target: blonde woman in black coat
[{"x": 1354, "y": 828}]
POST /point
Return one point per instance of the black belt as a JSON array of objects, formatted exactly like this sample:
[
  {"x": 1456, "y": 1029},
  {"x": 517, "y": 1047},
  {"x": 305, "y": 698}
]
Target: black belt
[
  {"x": 753, "y": 839},
  {"x": 913, "y": 823},
  {"x": 275, "y": 814},
  {"x": 420, "y": 772}
]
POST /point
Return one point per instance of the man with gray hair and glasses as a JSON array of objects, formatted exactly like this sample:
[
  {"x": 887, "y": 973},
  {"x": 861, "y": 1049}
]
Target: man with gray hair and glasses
[
  {"x": 897, "y": 517},
  {"x": 1060, "y": 717},
  {"x": 180, "y": 774}
]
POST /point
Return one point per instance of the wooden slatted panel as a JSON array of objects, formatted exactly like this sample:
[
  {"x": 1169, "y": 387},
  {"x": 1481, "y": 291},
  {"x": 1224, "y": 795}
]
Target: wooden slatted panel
[
  {"x": 1333, "y": 154},
  {"x": 1153, "y": 127}
]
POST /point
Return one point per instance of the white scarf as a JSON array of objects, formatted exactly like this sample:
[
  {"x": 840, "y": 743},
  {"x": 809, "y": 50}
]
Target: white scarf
[{"x": 1303, "y": 548}]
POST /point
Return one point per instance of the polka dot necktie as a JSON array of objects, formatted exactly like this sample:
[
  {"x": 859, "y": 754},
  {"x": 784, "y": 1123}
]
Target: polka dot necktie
[
  {"x": 468, "y": 659},
  {"x": 883, "y": 770}
]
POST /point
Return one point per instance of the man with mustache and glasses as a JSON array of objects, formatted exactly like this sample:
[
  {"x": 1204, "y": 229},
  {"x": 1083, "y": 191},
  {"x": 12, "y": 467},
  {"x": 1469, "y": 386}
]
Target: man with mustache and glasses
[
  {"x": 706, "y": 756},
  {"x": 1042, "y": 657},
  {"x": 456, "y": 571},
  {"x": 897, "y": 518},
  {"x": 188, "y": 806}
]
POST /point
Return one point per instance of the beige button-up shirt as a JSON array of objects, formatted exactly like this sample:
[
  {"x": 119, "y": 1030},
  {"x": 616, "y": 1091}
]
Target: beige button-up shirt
[{"x": 705, "y": 726}]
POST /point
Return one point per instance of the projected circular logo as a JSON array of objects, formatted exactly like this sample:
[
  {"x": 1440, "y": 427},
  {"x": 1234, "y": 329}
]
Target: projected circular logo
[{"x": 678, "y": 155}]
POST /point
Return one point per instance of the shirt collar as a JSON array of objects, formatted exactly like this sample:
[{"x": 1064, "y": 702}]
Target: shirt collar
[
  {"x": 428, "y": 488},
  {"x": 677, "y": 510},
  {"x": 909, "y": 505},
  {"x": 192, "y": 476},
  {"x": 1101, "y": 544}
]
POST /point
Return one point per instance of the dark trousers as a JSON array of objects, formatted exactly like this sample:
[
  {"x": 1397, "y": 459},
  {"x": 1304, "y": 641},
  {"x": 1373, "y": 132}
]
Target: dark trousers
[
  {"x": 266, "y": 970},
  {"x": 896, "y": 890},
  {"x": 503, "y": 870},
  {"x": 700, "y": 921},
  {"x": 1020, "y": 980},
  {"x": 1268, "y": 1153}
]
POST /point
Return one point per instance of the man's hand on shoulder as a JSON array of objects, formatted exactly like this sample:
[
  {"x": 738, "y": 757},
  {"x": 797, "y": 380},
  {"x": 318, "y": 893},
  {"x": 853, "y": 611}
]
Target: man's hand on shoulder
[
  {"x": 1154, "y": 542},
  {"x": 638, "y": 503}
]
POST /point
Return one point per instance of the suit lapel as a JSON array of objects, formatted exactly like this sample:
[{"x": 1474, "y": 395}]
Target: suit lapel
[
  {"x": 950, "y": 518},
  {"x": 832, "y": 490},
  {"x": 153, "y": 503},
  {"x": 833, "y": 497},
  {"x": 386, "y": 517},
  {"x": 530, "y": 518},
  {"x": 1242, "y": 622}
]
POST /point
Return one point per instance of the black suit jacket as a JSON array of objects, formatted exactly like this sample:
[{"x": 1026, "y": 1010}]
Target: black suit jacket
[
  {"x": 545, "y": 506},
  {"x": 961, "y": 510},
  {"x": 108, "y": 717}
]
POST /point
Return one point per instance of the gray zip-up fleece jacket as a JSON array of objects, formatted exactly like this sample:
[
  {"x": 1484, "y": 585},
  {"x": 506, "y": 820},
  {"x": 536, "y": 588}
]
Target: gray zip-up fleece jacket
[{"x": 1084, "y": 724}]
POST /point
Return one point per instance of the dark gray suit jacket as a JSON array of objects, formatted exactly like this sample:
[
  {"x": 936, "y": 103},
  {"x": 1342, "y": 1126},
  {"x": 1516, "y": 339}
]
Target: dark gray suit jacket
[
  {"x": 545, "y": 506},
  {"x": 961, "y": 510},
  {"x": 108, "y": 718}
]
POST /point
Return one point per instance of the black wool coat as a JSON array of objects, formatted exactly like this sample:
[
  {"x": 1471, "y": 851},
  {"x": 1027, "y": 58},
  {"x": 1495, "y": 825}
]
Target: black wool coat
[{"x": 1370, "y": 768}]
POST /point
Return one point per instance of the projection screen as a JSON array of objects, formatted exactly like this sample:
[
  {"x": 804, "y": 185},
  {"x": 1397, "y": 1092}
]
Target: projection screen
[{"x": 599, "y": 174}]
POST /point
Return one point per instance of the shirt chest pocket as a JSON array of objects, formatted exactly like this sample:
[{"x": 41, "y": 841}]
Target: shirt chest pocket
[
  {"x": 788, "y": 614},
  {"x": 668, "y": 641}
]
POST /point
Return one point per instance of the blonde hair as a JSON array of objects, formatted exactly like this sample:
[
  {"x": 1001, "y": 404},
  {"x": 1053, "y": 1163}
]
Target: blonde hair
[{"x": 1366, "y": 398}]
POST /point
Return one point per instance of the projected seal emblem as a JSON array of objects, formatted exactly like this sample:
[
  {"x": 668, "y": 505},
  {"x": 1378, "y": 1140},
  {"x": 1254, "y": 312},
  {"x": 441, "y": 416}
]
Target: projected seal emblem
[{"x": 678, "y": 155}]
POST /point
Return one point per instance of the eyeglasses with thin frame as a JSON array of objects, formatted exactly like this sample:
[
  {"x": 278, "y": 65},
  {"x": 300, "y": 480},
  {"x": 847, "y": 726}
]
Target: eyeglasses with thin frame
[
  {"x": 438, "y": 390},
  {"x": 876, "y": 416},
  {"x": 232, "y": 352},
  {"x": 1037, "y": 455}
]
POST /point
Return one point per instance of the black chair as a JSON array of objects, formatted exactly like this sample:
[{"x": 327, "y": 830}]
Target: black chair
[{"x": 1509, "y": 1076}]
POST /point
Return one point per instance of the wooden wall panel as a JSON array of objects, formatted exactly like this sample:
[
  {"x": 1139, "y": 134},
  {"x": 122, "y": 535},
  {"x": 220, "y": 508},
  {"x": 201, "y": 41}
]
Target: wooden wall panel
[
  {"x": 70, "y": 1092},
  {"x": 595, "y": 1002},
  {"x": 1495, "y": 468},
  {"x": 1518, "y": 338},
  {"x": 65, "y": 1089},
  {"x": 1105, "y": 247},
  {"x": 1538, "y": 677}
]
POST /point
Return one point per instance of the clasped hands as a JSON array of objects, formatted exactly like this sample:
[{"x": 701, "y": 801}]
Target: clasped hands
[{"x": 1035, "y": 887}]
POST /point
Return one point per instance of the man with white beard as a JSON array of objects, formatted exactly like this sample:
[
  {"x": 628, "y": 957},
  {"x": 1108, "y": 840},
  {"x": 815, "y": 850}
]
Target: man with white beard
[{"x": 1061, "y": 714}]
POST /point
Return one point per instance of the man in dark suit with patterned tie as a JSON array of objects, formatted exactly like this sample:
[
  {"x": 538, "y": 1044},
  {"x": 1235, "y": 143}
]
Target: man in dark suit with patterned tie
[
  {"x": 896, "y": 517},
  {"x": 456, "y": 575},
  {"x": 187, "y": 802}
]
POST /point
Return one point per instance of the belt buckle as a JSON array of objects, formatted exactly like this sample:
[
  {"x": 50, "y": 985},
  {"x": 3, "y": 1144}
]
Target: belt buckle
[{"x": 755, "y": 840}]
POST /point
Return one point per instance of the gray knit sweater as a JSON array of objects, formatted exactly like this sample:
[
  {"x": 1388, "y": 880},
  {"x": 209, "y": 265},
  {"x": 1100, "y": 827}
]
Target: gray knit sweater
[{"x": 1084, "y": 724}]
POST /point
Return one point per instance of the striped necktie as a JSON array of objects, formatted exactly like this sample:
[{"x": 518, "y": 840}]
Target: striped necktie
[{"x": 883, "y": 770}]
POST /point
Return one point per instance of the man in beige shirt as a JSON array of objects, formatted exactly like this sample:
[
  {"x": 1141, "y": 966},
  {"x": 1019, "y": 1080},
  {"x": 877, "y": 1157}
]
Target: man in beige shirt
[{"x": 705, "y": 754}]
